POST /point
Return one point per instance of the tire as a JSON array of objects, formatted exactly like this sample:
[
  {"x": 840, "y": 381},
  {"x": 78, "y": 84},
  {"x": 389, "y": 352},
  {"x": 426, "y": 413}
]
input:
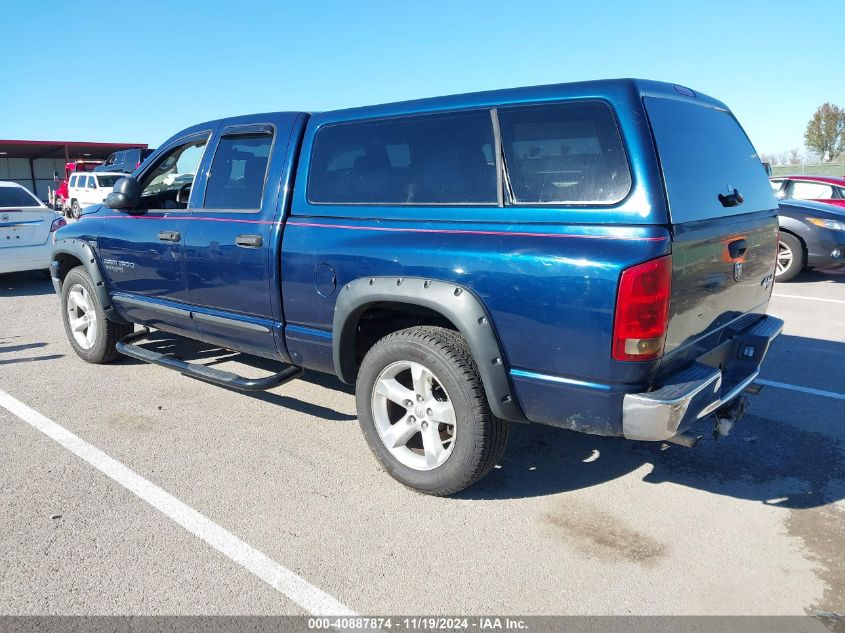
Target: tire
[
  {"x": 75, "y": 210},
  {"x": 791, "y": 258},
  {"x": 96, "y": 342},
  {"x": 469, "y": 446}
]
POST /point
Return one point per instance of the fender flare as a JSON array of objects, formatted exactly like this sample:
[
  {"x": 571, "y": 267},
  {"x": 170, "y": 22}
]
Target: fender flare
[
  {"x": 82, "y": 251},
  {"x": 456, "y": 303}
]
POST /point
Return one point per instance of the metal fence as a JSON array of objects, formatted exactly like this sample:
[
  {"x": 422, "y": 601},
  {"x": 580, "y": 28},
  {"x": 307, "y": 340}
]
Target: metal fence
[{"x": 816, "y": 169}]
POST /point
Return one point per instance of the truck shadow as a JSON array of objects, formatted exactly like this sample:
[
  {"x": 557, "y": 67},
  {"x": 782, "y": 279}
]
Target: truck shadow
[
  {"x": 788, "y": 452},
  {"x": 772, "y": 461},
  {"x": 28, "y": 284},
  {"x": 5, "y": 349},
  {"x": 782, "y": 465},
  {"x": 29, "y": 359},
  {"x": 207, "y": 354}
]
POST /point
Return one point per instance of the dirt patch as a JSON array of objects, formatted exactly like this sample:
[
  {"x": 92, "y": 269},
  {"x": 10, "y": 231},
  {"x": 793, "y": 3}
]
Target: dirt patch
[
  {"x": 823, "y": 532},
  {"x": 603, "y": 535},
  {"x": 132, "y": 422}
]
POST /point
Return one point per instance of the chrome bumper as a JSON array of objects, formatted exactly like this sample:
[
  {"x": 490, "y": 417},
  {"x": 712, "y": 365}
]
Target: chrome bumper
[{"x": 698, "y": 390}]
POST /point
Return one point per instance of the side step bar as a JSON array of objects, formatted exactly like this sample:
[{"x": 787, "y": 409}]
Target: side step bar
[{"x": 201, "y": 372}]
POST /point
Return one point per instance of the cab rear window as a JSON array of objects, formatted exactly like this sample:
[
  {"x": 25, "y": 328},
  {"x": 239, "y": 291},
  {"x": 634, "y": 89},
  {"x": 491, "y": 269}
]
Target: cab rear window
[
  {"x": 568, "y": 153},
  {"x": 416, "y": 160},
  {"x": 703, "y": 153}
]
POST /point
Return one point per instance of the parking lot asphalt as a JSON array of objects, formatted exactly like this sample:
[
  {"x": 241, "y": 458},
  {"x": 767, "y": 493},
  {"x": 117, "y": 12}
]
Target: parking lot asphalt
[{"x": 566, "y": 524}]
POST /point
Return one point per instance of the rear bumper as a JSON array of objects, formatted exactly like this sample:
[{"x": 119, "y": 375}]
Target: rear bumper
[
  {"x": 20, "y": 258},
  {"x": 698, "y": 390}
]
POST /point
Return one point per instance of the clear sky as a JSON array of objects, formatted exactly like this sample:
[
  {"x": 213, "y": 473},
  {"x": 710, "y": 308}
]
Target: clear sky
[{"x": 140, "y": 71}]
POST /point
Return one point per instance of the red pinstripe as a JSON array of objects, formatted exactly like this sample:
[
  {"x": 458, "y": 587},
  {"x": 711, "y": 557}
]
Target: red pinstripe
[{"x": 184, "y": 217}]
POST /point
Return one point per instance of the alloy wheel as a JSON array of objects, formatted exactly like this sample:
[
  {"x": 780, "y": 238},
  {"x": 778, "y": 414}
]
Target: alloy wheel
[
  {"x": 82, "y": 317},
  {"x": 413, "y": 415},
  {"x": 785, "y": 259}
]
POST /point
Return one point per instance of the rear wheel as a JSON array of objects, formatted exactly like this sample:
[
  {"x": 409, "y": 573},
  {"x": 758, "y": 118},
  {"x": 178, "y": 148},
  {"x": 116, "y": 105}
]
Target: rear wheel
[
  {"x": 423, "y": 411},
  {"x": 790, "y": 259},
  {"x": 91, "y": 334}
]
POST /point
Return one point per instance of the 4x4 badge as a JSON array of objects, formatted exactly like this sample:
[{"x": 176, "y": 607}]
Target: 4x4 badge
[{"x": 737, "y": 271}]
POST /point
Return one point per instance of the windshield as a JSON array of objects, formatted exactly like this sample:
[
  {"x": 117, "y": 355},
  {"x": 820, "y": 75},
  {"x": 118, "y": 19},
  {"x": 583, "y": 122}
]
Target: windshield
[
  {"x": 704, "y": 153},
  {"x": 17, "y": 197}
]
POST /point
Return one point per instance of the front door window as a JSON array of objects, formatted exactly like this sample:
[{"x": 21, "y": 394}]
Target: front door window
[{"x": 168, "y": 184}]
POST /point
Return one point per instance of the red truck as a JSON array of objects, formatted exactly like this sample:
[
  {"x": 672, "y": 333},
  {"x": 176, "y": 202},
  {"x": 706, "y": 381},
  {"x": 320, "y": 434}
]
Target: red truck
[{"x": 58, "y": 199}]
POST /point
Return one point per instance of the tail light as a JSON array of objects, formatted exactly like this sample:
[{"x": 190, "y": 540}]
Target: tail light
[
  {"x": 642, "y": 310},
  {"x": 57, "y": 224}
]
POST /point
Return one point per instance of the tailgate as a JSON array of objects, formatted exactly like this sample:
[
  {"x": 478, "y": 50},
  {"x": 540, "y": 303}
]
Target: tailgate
[
  {"x": 20, "y": 227},
  {"x": 711, "y": 287},
  {"x": 723, "y": 215}
]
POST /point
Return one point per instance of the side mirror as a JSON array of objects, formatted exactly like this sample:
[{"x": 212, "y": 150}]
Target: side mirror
[
  {"x": 183, "y": 196},
  {"x": 125, "y": 195}
]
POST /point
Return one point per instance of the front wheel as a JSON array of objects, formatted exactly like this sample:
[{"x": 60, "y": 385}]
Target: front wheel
[
  {"x": 424, "y": 413},
  {"x": 91, "y": 334},
  {"x": 75, "y": 210},
  {"x": 790, "y": 259}
]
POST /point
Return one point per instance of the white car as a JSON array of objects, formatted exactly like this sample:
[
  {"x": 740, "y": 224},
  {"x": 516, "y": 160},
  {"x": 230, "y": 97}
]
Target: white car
[
  {"x": 26, "y": 226},
  {"x": 87, "y": 188}
]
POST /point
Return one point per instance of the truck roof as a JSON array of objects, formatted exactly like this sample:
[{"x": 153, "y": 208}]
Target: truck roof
[
  {"x": 609, "y": 89},
  {"x": 599, "y": 89}
]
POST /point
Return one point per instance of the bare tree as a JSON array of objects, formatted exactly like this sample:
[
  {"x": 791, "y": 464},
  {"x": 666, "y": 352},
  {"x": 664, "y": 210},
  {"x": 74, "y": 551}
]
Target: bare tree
[{"x": 812, "y": 157}]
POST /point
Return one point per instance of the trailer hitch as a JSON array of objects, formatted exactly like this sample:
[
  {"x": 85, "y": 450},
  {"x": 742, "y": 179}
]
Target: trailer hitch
[{"x": 728, "y": 416}]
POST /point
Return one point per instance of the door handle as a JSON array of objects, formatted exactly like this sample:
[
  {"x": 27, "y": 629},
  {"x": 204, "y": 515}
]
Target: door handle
[
  {"x": 249, "y": 241},
  {"x": 732, "y": 199},
  {"x": 169, "y": 236},
  {"x": 737, "y": 248}
]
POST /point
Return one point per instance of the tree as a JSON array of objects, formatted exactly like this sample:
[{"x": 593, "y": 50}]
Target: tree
[
  {"x": 812, "y": 157},
  {"x": 825, "y": 133}
]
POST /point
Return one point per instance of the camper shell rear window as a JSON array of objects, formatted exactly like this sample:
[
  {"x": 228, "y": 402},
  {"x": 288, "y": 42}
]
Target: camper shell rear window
[{"x": 703, "y": 153}]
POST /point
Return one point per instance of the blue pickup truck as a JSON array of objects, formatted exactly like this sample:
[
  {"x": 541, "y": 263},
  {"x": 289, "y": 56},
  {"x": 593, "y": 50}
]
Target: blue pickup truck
[{"x": 591, "y": 256}]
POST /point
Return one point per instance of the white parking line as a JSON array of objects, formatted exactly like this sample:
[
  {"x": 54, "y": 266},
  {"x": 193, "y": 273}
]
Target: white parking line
[
  {"x": 815, "y": 392},
  {"x": 277, "y": 576},
  {"x": 775, "y": 294}
]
